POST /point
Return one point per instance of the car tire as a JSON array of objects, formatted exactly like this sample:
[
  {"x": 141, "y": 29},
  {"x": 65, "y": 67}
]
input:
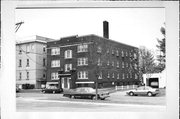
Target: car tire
[
  {"x": 72, "y": 96},
  {"x": 93, "y": 97},
  {"x": 43, "y": 91},
  {"x": 131, "y": 93},
  {"x": 149, "y": 94}
]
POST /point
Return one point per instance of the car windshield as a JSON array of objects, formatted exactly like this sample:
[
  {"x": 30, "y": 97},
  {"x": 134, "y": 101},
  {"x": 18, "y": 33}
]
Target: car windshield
[
  {"x": 51, "y": 87},
  {"x": 85, "y": 90}
]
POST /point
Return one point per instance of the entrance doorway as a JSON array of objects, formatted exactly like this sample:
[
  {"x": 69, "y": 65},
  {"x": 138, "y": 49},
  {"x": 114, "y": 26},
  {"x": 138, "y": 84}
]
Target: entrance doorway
[{"x": 65, "y": 82}]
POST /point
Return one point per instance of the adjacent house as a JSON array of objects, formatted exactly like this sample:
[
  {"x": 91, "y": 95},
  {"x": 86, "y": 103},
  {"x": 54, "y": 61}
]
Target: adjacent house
[{"x": 31, "y": 61}]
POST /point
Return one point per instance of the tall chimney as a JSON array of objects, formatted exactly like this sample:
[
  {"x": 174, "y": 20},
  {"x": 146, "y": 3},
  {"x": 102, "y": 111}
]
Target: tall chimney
[{"x": 105, "y": 29}]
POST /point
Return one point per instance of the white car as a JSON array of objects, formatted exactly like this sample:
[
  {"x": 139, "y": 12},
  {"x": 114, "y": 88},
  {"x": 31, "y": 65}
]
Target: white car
[{"x": 143, "y": 90}]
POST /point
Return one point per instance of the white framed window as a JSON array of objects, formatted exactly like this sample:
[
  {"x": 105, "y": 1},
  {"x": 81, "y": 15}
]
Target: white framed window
[
  {"x": 127, "y": 75},
  {"x": 28, "y": 48},
  {"x": 20, "y": 63},
  {"x": 122, "y": 53},
  {"x": 68, "y": 54},
  {"x": 135, "y": 56},
  {"x": 100, "y": 75},
  {"x": 123, "y": 77},
  {"x": 112, "y": 52},
  {"x": 99, "y": 49},
  {"x": 54, "y": 76},
  {"x": 82, "y": 61},
  {"x": 117, "y": 53},
  {"x": 122, "y": 64},
  {"x": 112, "y": 75},
  {"x": 82, "y": 48},
  {"x": 135, "y": 66},
  {"x": 130, "y": 75},
  {"x": 20, "y": 75},
  {"x": 27, "y": 63},
  {"x": 99, "y": 62},
  {"x": 113, "y": 63},
  {"x": 107, "y": 51},
  {"x": 108, "y": 62},
  {"x": 126, "y": 53},
  {"x": 83, "y": 75},
  {"x": 55, "y": 63},
  {"x": 27, "y": 75},
  {"x": 117, "y": 64},
  {"x": 136, "y": 76},
  {"x": 108, "y": 75},
  {"x": 68, "y": 67},
  {"x": 117, "y": 76},
  {"x": 55, "y": 51}
]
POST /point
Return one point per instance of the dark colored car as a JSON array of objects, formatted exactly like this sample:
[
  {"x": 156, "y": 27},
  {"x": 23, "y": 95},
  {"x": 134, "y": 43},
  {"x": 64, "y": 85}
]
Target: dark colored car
[
  {"x": 52, "y": 89},
  {"x": 17, "y": 89},
  {"x": 143, "y": 90},
  {"x": 86, "y": 92}
]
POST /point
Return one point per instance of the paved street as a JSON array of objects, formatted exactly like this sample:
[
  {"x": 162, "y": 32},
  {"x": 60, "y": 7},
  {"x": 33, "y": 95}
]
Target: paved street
[{"x": 118, "y": 101}]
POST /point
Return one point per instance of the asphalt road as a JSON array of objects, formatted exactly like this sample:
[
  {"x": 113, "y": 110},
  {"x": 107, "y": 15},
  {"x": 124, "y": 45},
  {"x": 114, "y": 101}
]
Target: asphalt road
[{"x": 118, "y": 101}]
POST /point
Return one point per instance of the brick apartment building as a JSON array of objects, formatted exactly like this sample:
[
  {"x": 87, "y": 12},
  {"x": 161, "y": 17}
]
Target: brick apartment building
[
  {"x": 94, "y": 59},
  {"x": 31, "y": 60}
]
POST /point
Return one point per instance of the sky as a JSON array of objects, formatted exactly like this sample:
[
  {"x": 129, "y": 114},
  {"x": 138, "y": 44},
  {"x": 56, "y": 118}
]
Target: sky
[{"x": 132, "y": 26}]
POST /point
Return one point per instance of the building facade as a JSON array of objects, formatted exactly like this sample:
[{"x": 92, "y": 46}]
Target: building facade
[
  {"x": 94, "y": 59},
  {"x": 31, "y": 61}
]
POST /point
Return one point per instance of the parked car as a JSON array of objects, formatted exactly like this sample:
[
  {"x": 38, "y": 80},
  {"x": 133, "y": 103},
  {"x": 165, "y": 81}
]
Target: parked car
[
  {"x": 52, "y": 89},
  {"x": 143, "y": 90},
  {"x": 86, "y": 92},
  {"x": 17, "y": 89}
]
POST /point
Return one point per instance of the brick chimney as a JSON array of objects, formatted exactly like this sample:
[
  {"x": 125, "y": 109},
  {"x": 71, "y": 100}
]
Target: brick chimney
[{"x": 105, "y": 29}]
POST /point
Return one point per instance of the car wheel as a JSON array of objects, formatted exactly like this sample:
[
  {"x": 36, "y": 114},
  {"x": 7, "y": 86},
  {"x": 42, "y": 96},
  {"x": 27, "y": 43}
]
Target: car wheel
[
  {"x": 93, "y": 97},
  {"x": 43, "y": 92},
  {"x": 54, "y": 92},
  {"x": 72, "y": 96},
  {"x": 149, "y": 94},
  {"x": 131, "y": 93}
]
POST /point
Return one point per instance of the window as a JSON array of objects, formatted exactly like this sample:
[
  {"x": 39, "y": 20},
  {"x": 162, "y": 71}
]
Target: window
[
  {"x": 27, "y": 65},
  {"x": 117, "y": 53},
  {"x": 113, "y": 63},
  {"x": 20, "y": 75},
  {"x": 68, "y": 67},
  {"x": 117, "y": 76},
  {"x": 20, "y": 51},
  {"x": 55, "y": 51},
  {"x": 108, "y": 75},
  {"x": 135, "y": 56},
  {"x": 126, "y": 53},
  {"x": 55, "y": 63},
  {"x": 27, "y": 48},
  {"x": 122, "y": 53},
  {"x": 44, "y": 48},
  {"x": 112, "y": 52},
  {"x": 44, "y": 75},
  {"x": 107, "y": 51},
  {"x": 54, "y": 76},
  {"x": 123, "y": 76},
  {"x": 100, "y": 75},
  {"x": 83, "y": 75},
  {"x": 126, "y": 64},
  {"x": 20, "y": 63},
  {"x": 127, "y": 76},
  {"x": 68, "y": 54},
  {"x": 82, "y": 61},
  {"x": 44, "y": 62},
  {"x": 99, "y": 62},
  {"x": 82, "y": 48},
  {"x": 32, "y": 46},
  {"x": 99, "y": 49},
  {"x": 112, "y": 75},
  {"x": 136, "y": 76},
  {"x": 27, "y": 75},
  {"x": 130, "y": 75},
  {"x": 108, "y": 62},
  {"x": 135, "y": 66},
  {"x": 122, "y": 64},
  {"x": 117, "y": 64}
]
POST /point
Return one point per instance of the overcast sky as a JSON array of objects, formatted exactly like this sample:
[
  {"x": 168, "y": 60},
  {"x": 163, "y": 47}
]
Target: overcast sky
[{"x": 133, "y": 26}]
